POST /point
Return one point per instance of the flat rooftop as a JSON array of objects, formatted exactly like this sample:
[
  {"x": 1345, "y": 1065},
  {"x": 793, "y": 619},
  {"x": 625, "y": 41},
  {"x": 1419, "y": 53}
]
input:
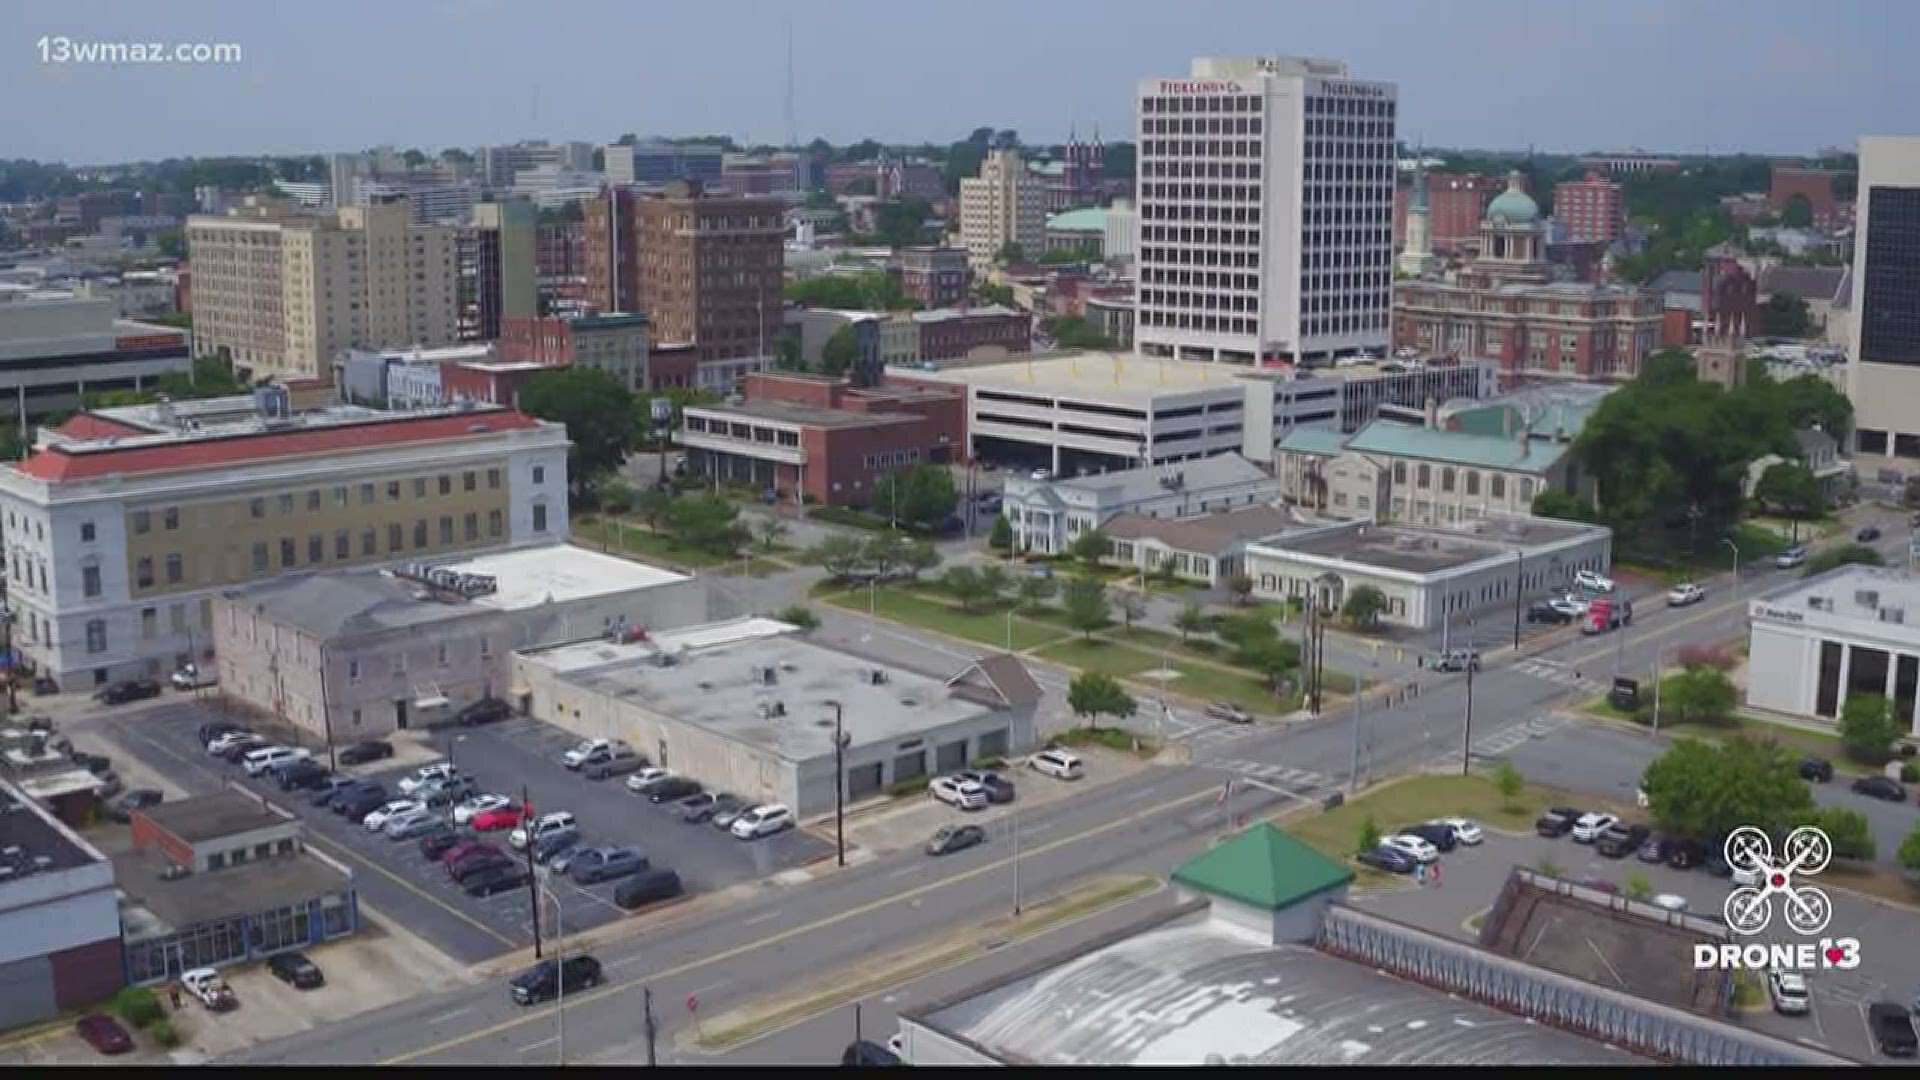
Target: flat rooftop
[
  {"x": 1845, "y": 588},
  {"x": 1106, "y": 375},
  {"x": 806, "y": 415},
  {"x": 152, "y": 906},
  {"x": 39, "y": 835},
  {"x": 1195, "y": 991},
  {"x": 716, "y": 683},
  {"x": 556, "y": 573},
  {"x": 1428, "y": 550},
  {"x": 209, "y": 817}
]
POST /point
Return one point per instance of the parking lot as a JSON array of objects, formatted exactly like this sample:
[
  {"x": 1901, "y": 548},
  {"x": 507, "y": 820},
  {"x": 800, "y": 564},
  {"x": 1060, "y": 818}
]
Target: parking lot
[{"x": 510, "y": 757}]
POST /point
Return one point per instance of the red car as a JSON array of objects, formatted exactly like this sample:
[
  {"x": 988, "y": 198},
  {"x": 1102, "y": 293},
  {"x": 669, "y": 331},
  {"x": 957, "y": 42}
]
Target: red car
[
  {"x": 464, "y": 847},
  {"x": 506, "y": 817},
  {"x": 103, "y": 1034}
]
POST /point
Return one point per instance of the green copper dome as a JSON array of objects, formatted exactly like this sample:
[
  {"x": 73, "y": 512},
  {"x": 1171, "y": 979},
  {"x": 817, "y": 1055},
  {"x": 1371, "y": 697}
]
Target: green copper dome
[{"x": 1513, "y": 206}]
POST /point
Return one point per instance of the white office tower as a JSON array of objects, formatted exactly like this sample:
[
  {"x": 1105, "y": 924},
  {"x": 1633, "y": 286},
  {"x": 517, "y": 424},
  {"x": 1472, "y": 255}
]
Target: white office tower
[
  {"x": 1883, "y": 380},
  {"x": 1265, "y": 194}
]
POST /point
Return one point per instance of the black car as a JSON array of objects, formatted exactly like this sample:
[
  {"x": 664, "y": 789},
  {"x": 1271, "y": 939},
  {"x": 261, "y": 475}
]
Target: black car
[
  {"x": 543, "y": 980},
  {"x": 97, "y": 764},
  {"x": 362, "y": 752},
  {"x": 695, "y": 809},
  {"x": 868, "y": 1053},
  {"x": 1868, "y": 534},
  {"x": 296, "y": 970},
  {"x": 439, "y": 842},
  {"x": 301, "y": 775},
  {"x": 208, "y": 732},
  {"x": 1542, "y": 612},
  {"x": 357, "y": 802},
  {"x": 1392, "y": 860},
  {"x": 646, "y": 887},
  {"x": 553, "y": 844},
  {"x": 672, "y": 789},
  {"x": 1816, "y": 768},
  {"x": 1556, "y": 822},
  {"x": 1892, "y": 1029},
  {"x": 1655, "y": 849},
  {"x": 232, "y": 754},
  {"x": 333, "y": 785},
  {"x": 132, "y": 690},
  {"x": 480, "y": 862},
  {"x": 495, "y": 879},
  {"x": 137, "y": 799},
  {"x": 485, "y": 711},
  {"x": 1685, "y": 854},
  {"x": 951, "y": 838},
  {"x": 1621, "y": 840},
  {"x": 1440, "y": 836},
  {"x": 1880, "y": 787}
]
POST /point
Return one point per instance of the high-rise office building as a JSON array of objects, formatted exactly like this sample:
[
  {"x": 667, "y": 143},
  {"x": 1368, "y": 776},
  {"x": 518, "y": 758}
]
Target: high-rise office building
[
  {"x": 499, "y": 165},
  {"x": 710, "y": 275},
  {"x": 611, "y": 246},
  {"x": 1883, "y": 381},
  {"x": 1005, "y": 204},
  {"x": 1266, "y": 212},
  {"x": 495, "y": 260},
  {"x": 1591, "y": 209},
  {"x": 656, "y": 162}
]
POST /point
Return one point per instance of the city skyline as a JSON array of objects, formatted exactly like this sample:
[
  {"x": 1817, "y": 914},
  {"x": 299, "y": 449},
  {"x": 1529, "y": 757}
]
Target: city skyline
[{"x": 1769, "y": 78}]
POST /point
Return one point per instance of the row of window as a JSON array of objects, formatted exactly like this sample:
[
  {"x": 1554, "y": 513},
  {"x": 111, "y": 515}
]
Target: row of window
[
  {"x": 1217, "y": 192},
  {"x": 285, "y": 502},
  {"x": 1205, "y": 125},
  {"x": 1228, "y": 103},
  {"x": 1249, "y": 259},
  {"x": 1201, "y": 170},
  {"x": 1155, "y": 149},
  {"x": 1184, "y": 321},
  {"x": 1343, "y": 324},
  {"x": 1423, "y": 474},
  {"x": 316, "y": 545},
  {"x": 1873, "y": 441},
  {"x": 1206, "y": 279}
]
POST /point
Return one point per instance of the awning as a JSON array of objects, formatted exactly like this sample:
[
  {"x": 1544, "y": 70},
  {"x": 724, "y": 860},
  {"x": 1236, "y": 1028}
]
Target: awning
[
  {"x": 519, "y": 689},
  {"x": 437, "y": 701}
]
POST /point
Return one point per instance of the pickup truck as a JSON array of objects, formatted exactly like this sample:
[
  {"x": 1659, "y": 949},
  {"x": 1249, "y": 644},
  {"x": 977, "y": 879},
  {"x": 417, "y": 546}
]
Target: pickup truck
[{"x": 212, "y": 990}]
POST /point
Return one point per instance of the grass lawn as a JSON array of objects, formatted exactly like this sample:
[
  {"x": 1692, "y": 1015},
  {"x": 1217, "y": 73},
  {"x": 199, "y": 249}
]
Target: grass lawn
[
  {"x": 640, "y": 543},
  {"x": 1196, "y": 681},
  {"x": 1111, "y": 738},
  {"x": 1105, "y": 657},
  {"x": 903, "y": 606}
]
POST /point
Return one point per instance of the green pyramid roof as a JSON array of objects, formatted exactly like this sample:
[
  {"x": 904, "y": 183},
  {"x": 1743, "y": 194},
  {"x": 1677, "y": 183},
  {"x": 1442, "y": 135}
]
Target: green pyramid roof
[{"x": 1263, "y": 867}]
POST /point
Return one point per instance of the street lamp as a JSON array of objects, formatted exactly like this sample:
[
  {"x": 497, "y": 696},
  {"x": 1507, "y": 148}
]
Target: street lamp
[
  {"x": 1519, "y": 559},
  {"x": 559, "y": 964},
  {"x": 1728, "y": 540},
  {"x": 839, "y": 782}
]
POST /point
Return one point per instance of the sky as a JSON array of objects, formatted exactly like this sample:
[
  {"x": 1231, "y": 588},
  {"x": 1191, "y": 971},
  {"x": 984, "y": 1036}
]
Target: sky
[{"x": 1766, "y": 76}]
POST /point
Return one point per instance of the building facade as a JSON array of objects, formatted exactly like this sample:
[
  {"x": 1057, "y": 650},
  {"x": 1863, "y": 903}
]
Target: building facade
[
  {"x": 560, "y": 268},
  {"x": 711, "y": 271},
  {"x": 656, "y": 162},
  {"x": 1003, "y": 205},
  {"x": 1049, "y": 515},
  {"x": 938, "y": 277},
  {"x": 54, "y": 350},
  {"x": 59, "y": 922},
  {"x": 616, "y": 344},
  {"x": 1854, "y": 631},
  {"x": 1883, "y": 379},
  {"x": 610, "y": 251},
  {"x": 125, "y": 524},
  {"x": 1814, "y": 186},
  {"x": 495, "y": 261},
  {"x": 992, "y": 331},
  {"x": 1591, "y": 209},
  {"x": 1266, "y": 212}
]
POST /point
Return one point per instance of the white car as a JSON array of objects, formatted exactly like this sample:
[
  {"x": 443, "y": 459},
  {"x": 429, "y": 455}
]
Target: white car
[
  {"x": 640, "y": 781},
  {"x": 439, "y": 770},
  {"x": 1682, "y": 595},
  {"x": 1789, "y": 992},
  {"x": 762, "y": 821},
  {"x": 1056, "y": 763},
  {"x": 404, "y": 824},
  {"x": 1570, "y": 606},
  {"x": 259, "y": 761},
  {"x": 1592, "y": 581},
  {"x": 479, "y": 804},
  {"x": 192, "y": 677},
  {"x": 1670, "y": 901},
  {"x": 220, "y": 744},
  {"x": 377, "y": 818},
  {"x": 1791, "y": 557},
  {"x": 543, "y": 826},
  {"x": 1590, "y": 826},
  {"x": 965, "y": 794},
  {"x": 1414, "y": 846},
  {"x": 207, "y": 985},
  {"x": 1465, "y": 830},
  {"x": 1041, "y": 474},
  {"x": 584, "y": 751},
  {"x": 1746, "y": 875}
]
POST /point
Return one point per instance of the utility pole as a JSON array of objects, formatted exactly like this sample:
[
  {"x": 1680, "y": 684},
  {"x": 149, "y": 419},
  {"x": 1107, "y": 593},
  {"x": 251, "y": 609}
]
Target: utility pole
[
  {"x": 533, "y": 884},
  {"x": 1519, "y": 558},
  {"x": 839, "y": 784},
  {"x": 647, "y": 1006},
  {"x": 326, "y": 707},
  {"x": 1466, "y": 737},
  {"x": 1015, "y": 822},
  {"x": 1353, "y": 779},
  {"x": 1656, "y": 688}
]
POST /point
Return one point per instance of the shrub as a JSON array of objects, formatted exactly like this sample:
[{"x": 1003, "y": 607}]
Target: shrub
[
  {"x": 1909, "y": 773},
  {"x": 991, "y": 761},
  {"x": 1867, "y": 728},
  {"x": 910, "y": 787},
  {"x": 1369, "y": 836},
  {"x": 137, "y": 1005},
  {"x": 1508, "y": 781},
  {"x": 1638, "y": 887},
  {"x": 799, "y": 615},
  {"x": 163, "y": 1033},
  {"x": 1693, "y": 656}
]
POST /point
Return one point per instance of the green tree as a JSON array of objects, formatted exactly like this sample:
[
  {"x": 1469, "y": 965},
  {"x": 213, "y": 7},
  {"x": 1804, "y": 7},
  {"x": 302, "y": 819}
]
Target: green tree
[
  {"x": 1701, "y": 790},
  {"x": 770, "y": 530},
  {"x": 706, "y": 522},
  {"x": 884, "y": 552},
  {"x": 1368, "y": 836},
  {"x": 1867, "y": 728},
  {"x": 1790, "y": 488},
  {"x": 799, "y": 615},
  {"x": 1508, "y": 781},
  {"x": 616, "y": 497},
  {"x": 869, "y": 290},
  {"x": 900, "y": 223},
  {"x": 1093, "y": 695},
  {"x": 1638, "y": 887},
  {"x": 1191, "y": 620},
  {"x": 840, "y": 555},
  {"x": 1132, "y": 606},
  {"x": 918, "y": 557},
  {"x": 1909, "y": 855},
  {"x": 994, "y": 581},
  {"x": 1554, "y": 503},
  {"x": 1240, "y": 588},
  {"x": 1075, "y": 332},
  {"x": 1699, "y": 695},
  {"x": 1090, "y": 547},
  {"x": 1067, "y": 256},
  {"x": 171, "y": 242},
  {"x": 1009, "y": 254},
  {"x": 1271, "y": 657},
  {"x": 1847, "y": 830},
  {"x": 920, "y": 497},
  {"x": 1364, "y": 606},
  {"x": 963, "y": 584},
  {"x": 1035, "y": 591},
  {"x": 1798, "y": 213},
  {"x": 842, "y": 351},
  {"x": 1001, "y": 538},
  {"x": 990, "y": 293},
  {"x": 597, "y": 410},
  {"x": 1844, "y": 555},
  {"x": 1087, "y": 605},
  {"x": 1785, "y": 316},
  {"x": 651, "y": 505}
]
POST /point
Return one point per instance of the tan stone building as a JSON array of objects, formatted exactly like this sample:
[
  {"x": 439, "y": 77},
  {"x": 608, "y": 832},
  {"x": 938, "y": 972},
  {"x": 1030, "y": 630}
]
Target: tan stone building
[
  {"x": 1004, "y": 205},
  {"x": 711, "y": 271},
  {"x": 284, "y": 292}
]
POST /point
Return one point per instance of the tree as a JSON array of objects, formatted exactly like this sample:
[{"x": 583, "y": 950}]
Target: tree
[
  {"x": 920, "y": 497},
  {"x": 1009, "y": 254},
  {"x": 1075, "y": 332},
  {"x": 1785, "y": 316},
  {"x": 1843, "y": 556},
  {"x": 841, "y": 351},
  {"x": 1272, "y": 658},
  {"x": 918, "y": 557},
  {"x": 651, "y": 505},
  {"x": 770, "y": 531},
  {"x": 799, "y": 615},
  {"x": 1068, "y": 255},
  {"x": 1001, "y": 538},
  {"x": 1554, "y": 503},
  {"x": 1132, "y": 606},
  {"x": 1035, "y": 591},
  {"x": 1700, "y": 790},
  {"x": 885, "y": 552},
  {"x": 706, "y": 522},
  {"x": 1090, "y": 547},
  {"x": 990, "y": 293},
  {"x": 1240, "y": 588},
  {"x": 994, "y": 581},
  {"x": 414, "y": 158},
  {"x": 902, "y": 222},
  {"x": 1364, "y": 606},
  {"x": 1191, "y": 620},
  {"x": 964, "y": 584},
  {"x": 1368, "y": 837},
  {"x": 1790, "y": 488},
  {"x": 1909, "y": 855},
  {"x": 597, "y": 410},
  {"x": 1508, "y": 781},
  {"x": 1847, "y": 830},
  {"x": 1093, "y": 695},
  {"x": 1867, "y": 728},
  {"x": 841, "y": 555},
  {"x": 1087, "y": 606},
  {"x": 171, "y": 242},
  {"x": 616, "y": 497},
  {"x": 871, "y": 290},
  {"x": 1699, "y": 695},
  {"x": 1798, "y": 213}
]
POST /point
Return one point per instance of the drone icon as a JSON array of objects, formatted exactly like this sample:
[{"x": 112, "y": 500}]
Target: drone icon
[{"x": 1749, "y": 908}]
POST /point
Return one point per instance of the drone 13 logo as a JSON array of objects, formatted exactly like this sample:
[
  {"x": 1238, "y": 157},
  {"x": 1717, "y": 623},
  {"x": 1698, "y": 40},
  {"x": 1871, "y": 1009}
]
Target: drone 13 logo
[{"x": 1764, "y": 883}]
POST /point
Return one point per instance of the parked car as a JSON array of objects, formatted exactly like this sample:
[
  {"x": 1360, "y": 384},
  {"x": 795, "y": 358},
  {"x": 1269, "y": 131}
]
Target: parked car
[
  {"x": 545, "y": 979},
  {"x": 1058, "y": 764},
  {"x": 436, "y": 844},
  {"x": 377, "y": 818},
  {"x": 1791, "y": 557},
  {"x": 1892, "y": 1029},
  {"x": 211, "y": 730},
  {"x": 301, "y": 774},
  {"x": 212, "y": 990},
  {"x": 1569, "y": 605},
  {"x": 426, "y": 774},
  {"x": 555, "y": 843},
  {"x": 1816, "y": 768},
  {"x": 500, "y": 817},
  {"x": 493, "y": 879},
  {"x": 357, "y": 802},
  {"x": 219, "y": 743},
  {"x": 1228, "y": 711},
  {"x": 259, "y": 761},
  {"x": 1549, "y": 611},
  {"x": 97, "y": 764},
  {"x": 697, "y": 808},
  {"x": 1867, "y": 534},
  {"x": 104, "y": 1034},
  {"x": 238, "y": 750},
  {"x": 1670, "y": 901},
  {"x": 1684, "y": 854},
  {"x": 605, "y": 864},
  {"x": 1588, "y": 828},
  {"x": 137, "y": 799},
  {"x": 999, "y": 788},
  {"x": 1788, "y": 989},
  {"x": 724, "y": 816},
  {"x": 1465, "y": 830},
  {"x": 1390, "y": 859},
  {"x": 1457, "y": 660},
  {"x": 478, "y": 862},
  {"x": 951, "y": 838},
  {"x": 1655, "y": 849},
  {"x": 1880, "y": 787},
  {"x": 623, "y": 761},
  {"x": 1620, "y": 840},
  {"x": 131, "y": 690},
  {"x": 463, "y": 848},
  {"x": 673, "y": 789},
  {"x": 324, "y": 792},
  {"x": 475, "y": 805},
  {"x": 1556, "y": 822},
  {"x": 294, "y": 969},
  {"x": 485, "y": 711},
  {"x": 761, "y": 821},
  {"x": 867, "y": 1052},
  {"x": 544, "y": 825},
  {"x": 588, "y": 752},
  {"x": 964, "y": 794},
  {"x": 1686, "y": 593},
  {"x": 362, "y": 752},
  {"x": 443, "y": 794},
  {"x": 1412, "y": 845},
  {"x": 1440, "y": 836},
  {"x": 193, "y": 677},
  {"x": 643, "y": 780},
  {"x": 411, "y": 824},
  {"x": 1592, "y": 581},
  {"x": 646, "y": 887}
]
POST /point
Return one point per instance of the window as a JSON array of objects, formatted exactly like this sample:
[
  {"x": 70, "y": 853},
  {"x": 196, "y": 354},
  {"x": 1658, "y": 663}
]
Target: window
[
  {"x": 343, "y": 545},
  {"x": 286, "y": 504},
  {"x": 1526, "y": 490},
  {"x": 96, "y": 635},
  {"x": 1399, "y": 472},
  {"x": 316, "y": 548},
  {"x": 472, "y": 527},
  {"x": 393, "y": 491},
  {"x": 419, "y": 487},
  {"x": 540, "y": 517},
  {"x": 420, "y": 533},
  {"x": 142, "y": 522},
  {"x": 486, "y": 647},
  {"x": 446, "y": 484},
  {"x": 1426, "y": 475},
  {"x": 395, "y": 537},
  {"x": 177, "y": 619},
  {"x": 149, "y": 622},
  {"x": 1446, "y": 478},
  {"x": 143, "y": 573},
  {"x": 340, "y": 495},
  {"x": 443, "y": 654},
  {"x": 1473, "y": 482},
  {"x": 313, "y": 499},
  {"x": 176, "y": 568},
  {"x": 170, "y": 518},
  {"x": 495, "y": 523},
  {"x": 539, "y": 474},
  {"x": 469, "y": 480},
  {"x": 1499, "y": 485},
  {"x": 260, "y": 557},
  {"x": 353, "y": 671},
  {"x": 366, "y": 494},
  {"x": 86, "y": 532},
  {"x": 446, "y": 530},
  {"x": 257, "y": 507},
  {"x": 288, "y": 552},
  {"x": 493, "y": 479},
  {"x": 90, "y": 581}
]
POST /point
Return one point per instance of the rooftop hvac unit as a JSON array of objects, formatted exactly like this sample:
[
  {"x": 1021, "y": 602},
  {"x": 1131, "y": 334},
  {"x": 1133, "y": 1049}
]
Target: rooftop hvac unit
[
  {"x": 878, "y": 676},
  {"x": 1894, "y": 615}
]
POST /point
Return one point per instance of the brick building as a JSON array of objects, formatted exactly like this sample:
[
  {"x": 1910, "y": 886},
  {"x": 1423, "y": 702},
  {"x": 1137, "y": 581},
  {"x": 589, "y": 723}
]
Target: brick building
[
  {"x": 953, "y": 333},
  {"x": 821, "y": 437},
  {"x": 560, "y": 268},
  {"x": 1591, "y": 209},
  {"x": 710, "y": 273},
  {"x": 616, "y": 344},
  {"x": 1813, "y": 185},
  {"x": 611, "y": 251},
  {"x": 938, "y": 277},
  {"x": 1455, "y": 204}
]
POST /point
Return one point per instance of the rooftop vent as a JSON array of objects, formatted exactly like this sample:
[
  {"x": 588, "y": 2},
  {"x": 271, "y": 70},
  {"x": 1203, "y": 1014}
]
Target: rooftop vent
[{"x": 877, "y": 676}]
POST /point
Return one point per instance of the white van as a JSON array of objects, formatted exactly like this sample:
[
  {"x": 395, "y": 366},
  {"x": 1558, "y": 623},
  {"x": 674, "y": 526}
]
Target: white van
[
  {"x": 1058, "y": 764},
  {"x": 762, "y": 821},
  {"x": 259, "y": 761}
]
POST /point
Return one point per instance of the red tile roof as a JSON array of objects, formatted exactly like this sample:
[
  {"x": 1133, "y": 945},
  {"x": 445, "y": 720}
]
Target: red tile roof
[
  {"x": 89, "y": 426},
  {"x": 59, "y": 464}
]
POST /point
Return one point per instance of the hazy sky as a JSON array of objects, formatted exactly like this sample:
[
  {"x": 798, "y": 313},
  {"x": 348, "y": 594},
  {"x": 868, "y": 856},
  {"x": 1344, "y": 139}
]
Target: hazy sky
[{"x": 1765, "y": 75}]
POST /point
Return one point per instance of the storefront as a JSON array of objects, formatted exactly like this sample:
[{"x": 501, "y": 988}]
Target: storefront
[{"x": 1852, "y": 632}]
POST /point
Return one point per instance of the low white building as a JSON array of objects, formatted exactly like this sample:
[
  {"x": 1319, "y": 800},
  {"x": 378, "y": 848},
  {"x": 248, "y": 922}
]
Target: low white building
[
  {"x": 1854, "y": 630},
  {"x": 1048, "y": 515}
]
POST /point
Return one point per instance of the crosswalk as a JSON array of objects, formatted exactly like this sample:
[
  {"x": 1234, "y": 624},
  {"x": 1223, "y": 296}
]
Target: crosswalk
[
  {"x": 1506, "y": 739},
  {"x": 1300, "y": 783},
  {"x": 1559, "y": 673}
]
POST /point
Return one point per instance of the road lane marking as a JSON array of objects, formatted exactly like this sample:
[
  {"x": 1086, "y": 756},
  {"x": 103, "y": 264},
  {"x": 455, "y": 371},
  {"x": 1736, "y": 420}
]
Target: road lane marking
[
  {"x": 769, "y": 916},
  {"x": 444, "y": 1017},
  {"x": 910, "y": 896},
  {"x": 530, "y": 1047}
]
